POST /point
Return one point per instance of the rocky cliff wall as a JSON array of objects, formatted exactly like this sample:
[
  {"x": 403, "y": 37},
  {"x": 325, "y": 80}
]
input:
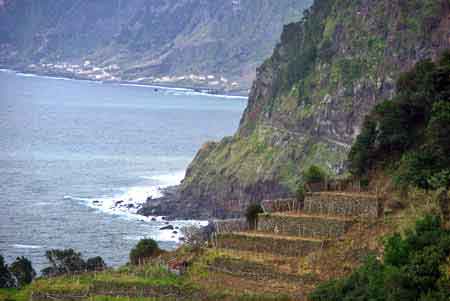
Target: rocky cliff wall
[{"x": 310, "y": 98}]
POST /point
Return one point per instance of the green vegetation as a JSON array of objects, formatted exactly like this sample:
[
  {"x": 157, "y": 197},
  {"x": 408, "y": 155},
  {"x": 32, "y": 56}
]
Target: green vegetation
[
  {"x": 145, "y": 250},
  {"x": 415, "y": 267},
  {"x": 300, "y": 193},
  {"x": 23, "y": 271},
  {"x": 314, "y": 174},
  {"x": 410, "y": 134},
  {"x": 251, "y": 214},
  {"x": 69, "y": 261},
  {"x": 6, "y": 278}
]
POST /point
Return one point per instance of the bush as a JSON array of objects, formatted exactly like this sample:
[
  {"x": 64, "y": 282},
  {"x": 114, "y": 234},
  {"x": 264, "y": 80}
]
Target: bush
[
  {"x": 197, "y": 237},
  {"x": 438, "y": 130},
  {"x": 361, "y": 154},
  {"x": 145, "y": 250},
  {"x": 6, "y": 279},
  {"x": 23, "y": 271},
  {"x": 68, "y": 261},
  {"x": 95, "y": 264},
  {"x": 416, "y": 168},
  {"x": 413, "y": 269},
  {"x": 413, "y": 127},
  {"x": 314, "y": 174},
  {"x": 300, "y": 193},
  {"x": 63, "y": 262},
  {"x": 251, "y": 215}
]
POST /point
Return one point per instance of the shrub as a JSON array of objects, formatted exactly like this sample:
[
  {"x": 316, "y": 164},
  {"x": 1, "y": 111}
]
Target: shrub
[
  {"x": 438, "y": 130},
  {"x": 69, "y": 261},
  {"x": 197, "y": 237},
  {"x": 412, "y": 269},
  {"x": 416, "y": 168},
  {"x": 63, "y": 262},
  {"x": 6, "y": 279},
  {"x": 145, "y": 250},
  {"x": 23, "y": 271},
  {"x": 361, "y": 154},
  {"x": 251, "y": 214},
  {"x": 95, "y": 264},
  {"x": 300, "y": 193},
  {"x": 314, "y": 174},
  {"x": 413, "y": 127}
]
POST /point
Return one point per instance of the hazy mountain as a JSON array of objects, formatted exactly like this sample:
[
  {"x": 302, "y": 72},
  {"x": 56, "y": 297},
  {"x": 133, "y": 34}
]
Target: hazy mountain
[{"x": 146, "y": 38}]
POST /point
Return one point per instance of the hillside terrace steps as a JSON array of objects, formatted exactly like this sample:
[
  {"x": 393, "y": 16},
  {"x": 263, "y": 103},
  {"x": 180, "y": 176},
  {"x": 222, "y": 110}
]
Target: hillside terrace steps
[
  {"x": 300, "y": 224},
  {"x": 362, "y": 205},
  {"x": 258, "y": 242},
  {"x": 291, "y": 230},
  {"x": 258, "y": 266}
]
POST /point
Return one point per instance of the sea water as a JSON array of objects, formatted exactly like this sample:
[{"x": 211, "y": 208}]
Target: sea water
[{"x": 77, "y": 158}]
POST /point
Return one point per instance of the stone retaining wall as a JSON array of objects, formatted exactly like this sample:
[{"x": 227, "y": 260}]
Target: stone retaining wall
[
  {"x": 303, "y": 226},
  {"x": 274, "y": 245},
  {"x": 341, "y": 204},
  {"x": 281, "y": 205},
  {"x": 254, "y": 270},
  {"x": 231, "y": 225}
]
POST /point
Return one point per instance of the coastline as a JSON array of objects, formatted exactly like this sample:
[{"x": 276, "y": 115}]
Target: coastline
[{"x": 199, "y": 90}]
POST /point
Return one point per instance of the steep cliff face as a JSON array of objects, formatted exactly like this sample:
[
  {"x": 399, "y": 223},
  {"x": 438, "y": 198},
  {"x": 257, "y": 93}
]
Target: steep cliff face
[
  {"x": 147, "y": 37},
  {"x": 309, "y": 99}
]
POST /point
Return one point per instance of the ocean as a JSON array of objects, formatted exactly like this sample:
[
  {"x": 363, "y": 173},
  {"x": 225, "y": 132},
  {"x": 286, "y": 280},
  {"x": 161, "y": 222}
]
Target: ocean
[{"x": 78, "y": 157}]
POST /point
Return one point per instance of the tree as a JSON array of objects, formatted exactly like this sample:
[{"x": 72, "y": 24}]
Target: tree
[
  {"x": 416, "y": 168},
  {"x": 314, "y": 174},
  {"x": 438, "y": 130},
  {"x": 95, "y": 264},
  {"x": 361, "y": 153},
  {"x": 63, "y": 262},
  {"x": 251, "y": 214},
  {"x": 197, "y": 237},
  {"x": 144, "y": 250},
  {"x": 23, "y": 271},
  {"x": 412, "y": 269},
  {"x": 6, "y": 279}
]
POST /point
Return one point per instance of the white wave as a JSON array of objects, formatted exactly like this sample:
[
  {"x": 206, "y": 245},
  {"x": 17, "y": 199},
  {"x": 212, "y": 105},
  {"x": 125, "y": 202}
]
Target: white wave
[
  {"x": 218, "y": 95},
  {"x": 26, "y": 74},
  {"x": 129, "y": 200},
  {"x": 186, "y": 91},
  {"x": 19, "y": 246},
  {"x": 157, "y": 87}
]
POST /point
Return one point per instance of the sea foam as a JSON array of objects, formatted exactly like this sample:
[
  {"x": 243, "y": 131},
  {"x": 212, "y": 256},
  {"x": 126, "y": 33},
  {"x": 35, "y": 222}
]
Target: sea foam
[{"x": 129, "y": 200}]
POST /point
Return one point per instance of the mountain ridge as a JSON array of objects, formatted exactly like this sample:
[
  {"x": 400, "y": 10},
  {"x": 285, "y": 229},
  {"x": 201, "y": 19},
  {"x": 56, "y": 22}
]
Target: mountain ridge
[{"x": 146, "y": 41}]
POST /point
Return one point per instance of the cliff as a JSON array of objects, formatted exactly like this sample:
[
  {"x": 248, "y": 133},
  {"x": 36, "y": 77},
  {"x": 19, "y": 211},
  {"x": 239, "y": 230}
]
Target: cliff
[
  {"x": 146, "y": 38},
  {"x": 310, "y": 97}
]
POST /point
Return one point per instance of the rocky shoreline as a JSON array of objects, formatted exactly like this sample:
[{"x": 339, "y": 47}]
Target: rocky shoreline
[{"x": 172, "y": 207}]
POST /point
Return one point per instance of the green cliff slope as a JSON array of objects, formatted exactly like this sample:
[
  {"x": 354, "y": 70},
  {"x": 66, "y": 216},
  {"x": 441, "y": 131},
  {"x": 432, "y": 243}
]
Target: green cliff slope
[{"x": 310, "y": 98}]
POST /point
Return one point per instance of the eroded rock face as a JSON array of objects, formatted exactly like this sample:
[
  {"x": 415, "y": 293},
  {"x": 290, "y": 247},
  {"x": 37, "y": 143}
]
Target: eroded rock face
[{"x": 310, "y": 98}]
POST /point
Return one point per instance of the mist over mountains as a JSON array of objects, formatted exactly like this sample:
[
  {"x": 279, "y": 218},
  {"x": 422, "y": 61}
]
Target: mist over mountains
[{"x": 173, "y": 41}]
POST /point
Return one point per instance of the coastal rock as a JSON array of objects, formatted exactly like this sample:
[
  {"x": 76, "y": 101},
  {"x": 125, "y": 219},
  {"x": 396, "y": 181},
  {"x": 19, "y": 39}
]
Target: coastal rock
[{"x": 169, "y": 227}]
